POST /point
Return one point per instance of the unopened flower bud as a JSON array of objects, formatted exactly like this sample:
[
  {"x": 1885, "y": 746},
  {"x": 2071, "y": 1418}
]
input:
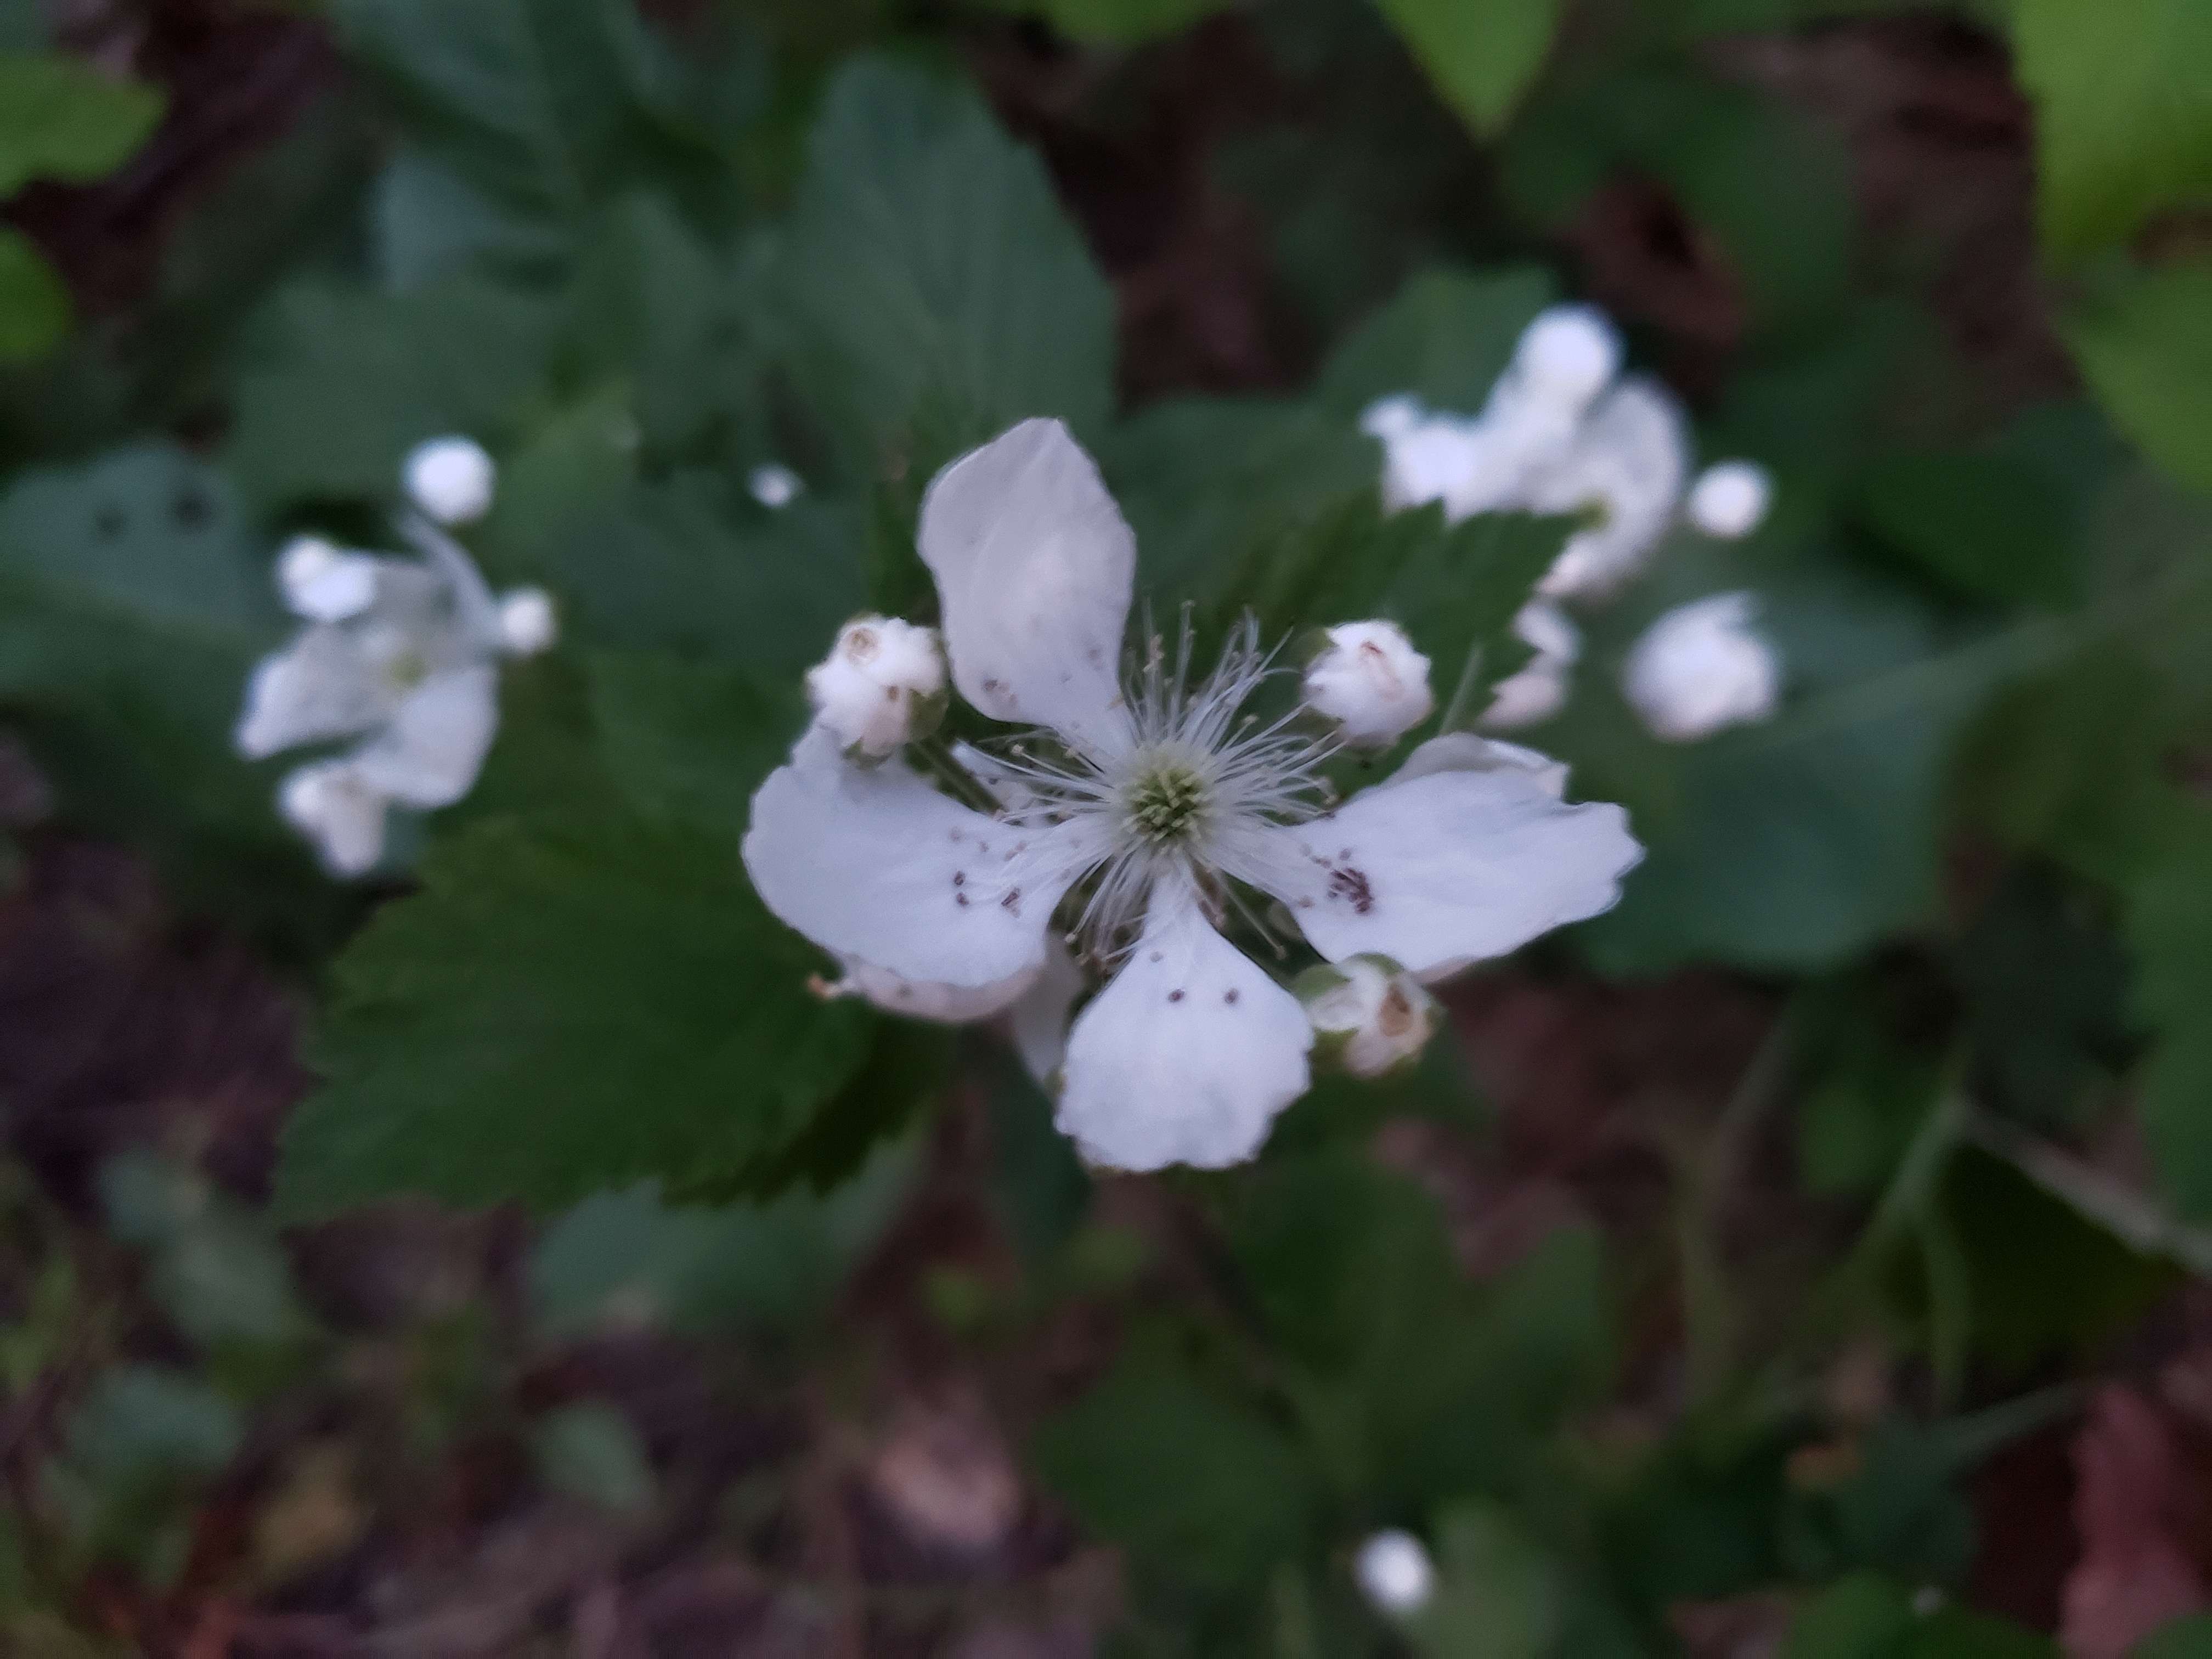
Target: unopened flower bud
[
  {"x": 1568, "y": 355},
  {"x": 450, "y": 480},
  {"x": 1730, "y": 500},
  {"x": 1394, "y": 1573},
  {"x": 1701, "y": 668},
  {"x": 1391, "y": 417},
  {"x": 1538, "y": 691},
  {"x": 774, "y": 485},
  {"x": 1371, "y": 681},
  {"x": 527, "y": 623},
  {"x": 883, "y": 685},
  {"x": 324, "y": 583},
  {"x": 1368, "y": 1012}
]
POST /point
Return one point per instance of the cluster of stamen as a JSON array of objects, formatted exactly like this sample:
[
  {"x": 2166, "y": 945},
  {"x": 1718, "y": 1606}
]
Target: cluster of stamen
[{"x": 1168, "y": 805}]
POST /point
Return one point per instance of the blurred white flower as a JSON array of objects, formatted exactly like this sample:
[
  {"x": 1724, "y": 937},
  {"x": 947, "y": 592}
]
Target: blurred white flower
[
  {"x": 1394, "y": 1573},
  {"x": 1371, "y": 682},
  {"x": 1568, "y": 355},
  {"x": 1625, "y": 464},
  {"x": 1370, "y": 1015},
  {"x": 1150, "y": 801},
  {"x": 1703, "y": 667},
  {"x": 1539, "y": 690},
  {"x": 398, "y": 652},
  {"x": 882, "y": 685},
  {"x": 1729, "y": 499},
  {"x": 450, "y": 480},
  {"x": 774, "y": 485}
]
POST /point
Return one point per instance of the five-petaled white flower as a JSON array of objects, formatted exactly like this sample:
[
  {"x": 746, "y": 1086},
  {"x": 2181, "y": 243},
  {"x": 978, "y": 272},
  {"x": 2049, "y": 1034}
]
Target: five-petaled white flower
[
  {"x": 1147, "y": 808},
  {"x": 401, "y": 653},
  {"x": 1562, "y": 432},
  {"x": 1702, "y": 668}
]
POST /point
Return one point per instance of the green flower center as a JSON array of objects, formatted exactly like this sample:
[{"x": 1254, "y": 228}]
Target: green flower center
[{"x": 1166, "y": 804}]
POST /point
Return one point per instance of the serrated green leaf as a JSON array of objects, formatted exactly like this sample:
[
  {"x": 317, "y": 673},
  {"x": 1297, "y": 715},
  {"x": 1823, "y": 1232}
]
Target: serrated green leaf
[
  {"x": 2123, "y": 124},
  {"x": 2169, "y": 929},
  {"x": 931, "y": 275},
  {"x": 2144, "y": 342},
  {"x": 1988, "y": 526},
  {"x": 565, "y": 1006},
  {"x": 1480, "y": 54},
  {"x": 1861, "y": 1617},
  {"x": 1444, "y": 337},
  {"x": 1499, "y": 1594},
  {"x": 35, "y": 305},
  {"x": 60, "y": 117}
]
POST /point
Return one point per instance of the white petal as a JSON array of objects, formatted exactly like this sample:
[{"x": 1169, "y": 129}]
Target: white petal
[
  {"x": 340, "y": 811},
  {"x": 947, "y": 1005},
  {"x": 1630, "y": 460},
  {"x": 324, "y": 583},
  {"x": 1464, "y": 751},
  {"x": 871, "y": 862},
  {"x": 1188, "y": 1055},
  {"x": 1039, "y": 1019},
  {"x": 1451, "y": 867},
  {"x": 1034, "y": 564},
  {"x": 318, "y": 687},
  {"x": 431, "y": 752},
  {"x": 474, "y": 606}
]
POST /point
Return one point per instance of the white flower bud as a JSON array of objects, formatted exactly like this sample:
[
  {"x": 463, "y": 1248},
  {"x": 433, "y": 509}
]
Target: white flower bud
[
  {"x": 1392, "y": 417},
  {"x": 527, "y": 622},
  {"x": 1372, "y": 682},
  {"x": 338, "y": 809},
  {"x": 1730, "y": 500},
  {"x": 324, "y": 583},
  {"x": 1568, "y": 355},
  {"x": 1539, "y": 689},
  {"x": 1394, "y": 1573},
  {"x": 450, "y": 479},
  {"x": 774, "y": 485},
  {"x": 1369, "y": 1012},
  {"x": 1701, "y": 668},
  {"x": 883, "y": 685}
]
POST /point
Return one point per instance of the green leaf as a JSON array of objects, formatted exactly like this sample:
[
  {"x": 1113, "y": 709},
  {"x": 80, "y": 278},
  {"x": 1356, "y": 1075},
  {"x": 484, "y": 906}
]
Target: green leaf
[
  {"x": 60, "y": 117},
  {"x": 2123, "y": 126},
  {"x": 690, "y": 741},
  {"x": 1481, "y": 54},
  {"x": 589, "y": 1451},
  {"x": 35, "y": 305},
  {"x": 1444, "y": 337},
  {"x": 540, "y": 109},
  {"x": 2169, "y": 929},
  {"x": 146, "y": 1440},
  {"x": 349, "y": 381},
  {"x": 1115, "y": 22},
  {"x": 1796, "y": 843},
  {"x": 565, "y": 1006},
  {"x": 2144, "y": 341},
  {"x": 623, "y": 1259},
  {"x": 2186, "y": 1637},
  {"x": 1498, "y": 1594},
  {"x": 1238, "y": 1501},
  {"x": 932, "y": 280},
  {"x": 1987, "y": 526},
  {"x": 1861, "y": 1617}
]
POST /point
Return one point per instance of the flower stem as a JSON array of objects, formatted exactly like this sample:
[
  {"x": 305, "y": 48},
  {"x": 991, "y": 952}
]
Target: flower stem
[
  {"x": 1470, "y": 679},
  {"x": 937, "y": 755}
]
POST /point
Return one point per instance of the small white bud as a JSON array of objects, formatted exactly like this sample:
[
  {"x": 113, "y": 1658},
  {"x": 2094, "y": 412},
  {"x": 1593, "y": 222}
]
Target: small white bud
[
  {"x": 1367, "y": 1012},
  {"x": 1394, "y": 1573},
  {"x": 527, "y": 622},
  {"x": 1372, "y": 682},
  {"x": 881, "y": 686},
  {"x": 1701, "y": 668},
  {"x": 1730, "y": 500},
  {"x": 450, "y": 479},
  {"x": 774, "y": 485},
  {"x": 1568, "y": 355},
  {"x": 1539, "y": 689},
  {"x": 1391, "y": 418},
  {"x": 340, "y": 811},
  {"x": 324, "y": 583}
]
